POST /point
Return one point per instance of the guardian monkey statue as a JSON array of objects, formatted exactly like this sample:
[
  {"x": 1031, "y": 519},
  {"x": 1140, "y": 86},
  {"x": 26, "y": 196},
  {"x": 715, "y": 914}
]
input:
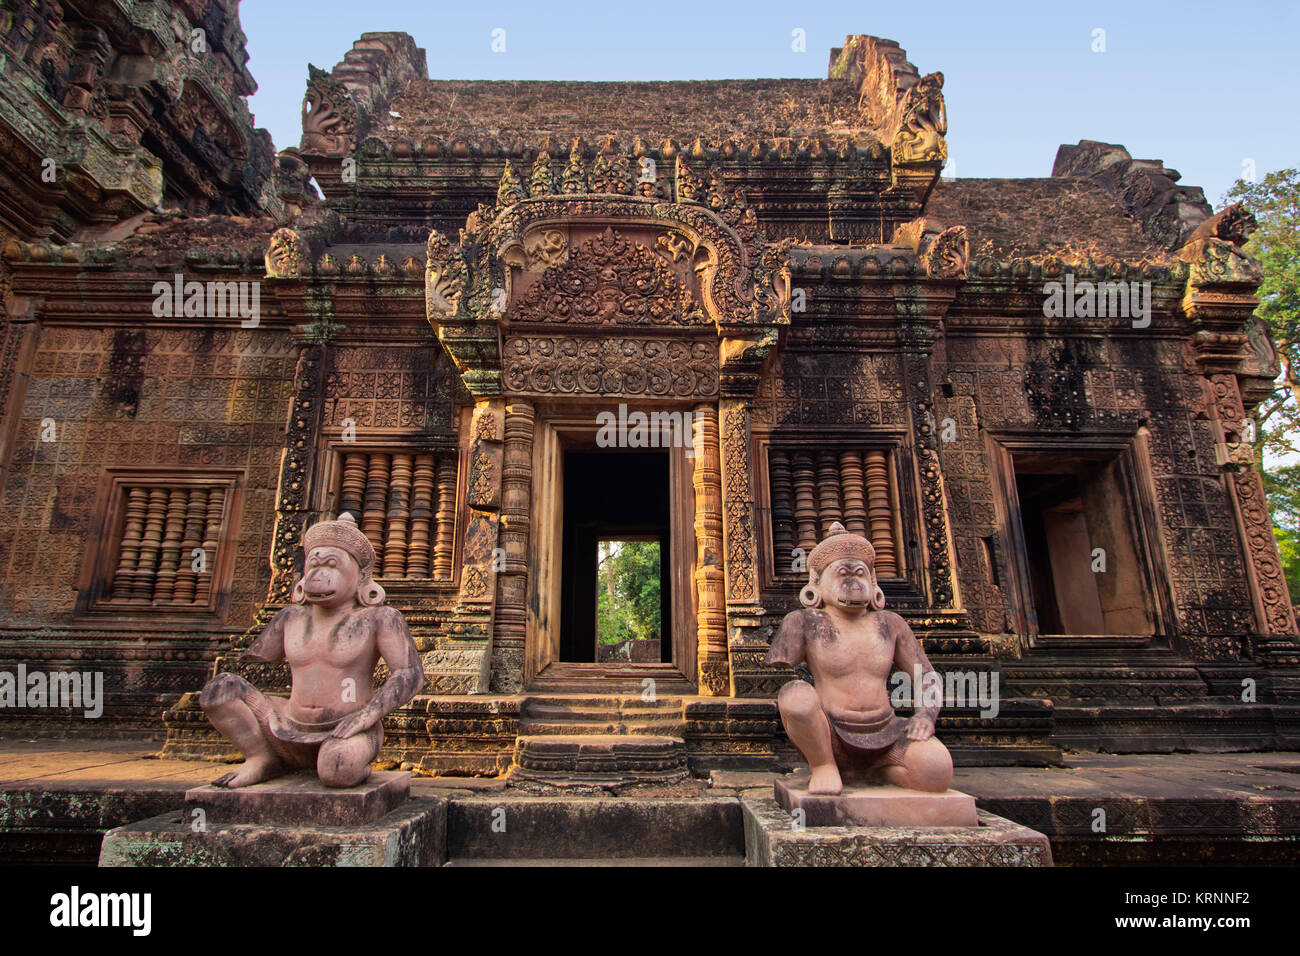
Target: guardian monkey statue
[
  {"x": 333, "y": 635},
  {"x": 845, "y": 726}
]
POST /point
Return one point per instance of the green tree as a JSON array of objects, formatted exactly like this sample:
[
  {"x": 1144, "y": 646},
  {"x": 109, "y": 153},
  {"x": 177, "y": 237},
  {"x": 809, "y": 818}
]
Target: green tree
[
  {"x": 1275, "y": 203},
  {"x": 627, "y": 592}
]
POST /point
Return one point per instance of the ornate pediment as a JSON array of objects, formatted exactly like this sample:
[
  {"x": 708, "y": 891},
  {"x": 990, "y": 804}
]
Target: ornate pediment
[{"x": 610, "y": 280}]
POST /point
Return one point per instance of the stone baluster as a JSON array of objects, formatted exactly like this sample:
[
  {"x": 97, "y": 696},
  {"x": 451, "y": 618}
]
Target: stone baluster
[
  {"x": 445, "y": 517},
  {"x": 211, "y": 535},
  {"x": 828, "y": 491},
  {"x": 164, "y": 587},
  {"x": 196, "y": 507},
  {"x": 880, "y": 513},
  {"x": 150, "y": 544},
  {"x": 374, "y": 507},
  {"x": 129, "y": 555},
  {"x": 353, "y": 487},
  {"x": 853, "y": 486},
  {"x": 805, "y": 501},
  {"x": 399, "y": 515},
  {"x": 778, "y": 465},
  {"x": 422, "y": 507}
]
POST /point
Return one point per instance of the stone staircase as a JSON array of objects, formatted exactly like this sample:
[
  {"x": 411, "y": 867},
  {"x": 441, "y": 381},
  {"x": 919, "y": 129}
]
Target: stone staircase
[{"x": 580, "y": 743}]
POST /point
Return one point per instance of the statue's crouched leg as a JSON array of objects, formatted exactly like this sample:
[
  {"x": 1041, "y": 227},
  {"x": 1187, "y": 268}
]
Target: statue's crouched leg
[
  {"x": 345, "y": 762},
  {"x": 239, "y": 711},
  {"x": 919, "y": 765},
  {"x": 809, "y": 729}
]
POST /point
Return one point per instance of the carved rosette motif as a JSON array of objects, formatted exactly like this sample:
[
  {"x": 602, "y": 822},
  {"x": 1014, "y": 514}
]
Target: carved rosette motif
[{"x": 610, "y": 366}]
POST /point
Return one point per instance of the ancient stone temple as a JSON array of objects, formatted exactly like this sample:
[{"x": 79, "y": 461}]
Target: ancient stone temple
[{"x": 1033, "y": 396}]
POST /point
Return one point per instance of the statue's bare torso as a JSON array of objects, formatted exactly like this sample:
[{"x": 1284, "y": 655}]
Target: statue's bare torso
[{"x": 332, "y": 661}]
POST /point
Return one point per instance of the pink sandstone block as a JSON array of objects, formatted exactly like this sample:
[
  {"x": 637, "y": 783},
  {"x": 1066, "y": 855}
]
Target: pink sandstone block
[{"x": 876, "y": 806}]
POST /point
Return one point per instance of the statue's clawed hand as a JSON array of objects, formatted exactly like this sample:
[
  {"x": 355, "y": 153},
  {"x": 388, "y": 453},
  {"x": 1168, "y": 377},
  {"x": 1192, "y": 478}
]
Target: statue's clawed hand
[{"x": 920, "y": 728}]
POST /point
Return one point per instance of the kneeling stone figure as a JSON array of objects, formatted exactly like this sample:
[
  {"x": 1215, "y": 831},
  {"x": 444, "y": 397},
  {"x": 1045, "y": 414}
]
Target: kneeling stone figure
[
  {"x": 845, "y": 726},
  {"x": 332, "y": 636}
]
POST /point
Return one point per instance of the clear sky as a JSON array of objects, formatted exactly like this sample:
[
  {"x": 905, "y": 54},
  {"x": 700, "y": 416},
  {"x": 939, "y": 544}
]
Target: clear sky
[{"x": 1208, "y": 87}]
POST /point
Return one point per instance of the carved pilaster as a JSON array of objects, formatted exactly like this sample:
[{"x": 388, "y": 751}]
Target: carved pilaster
[
  {"x": 917, "y": 342},
  {"x": 510, "y": 624},
  {"x": 460, "y": 663},
  {"x": 1273, "y": 611},
  {"x": 1219, "y": 301},
  {"x": 292, "y": 512},
  {"x": 711, "y": 618}
]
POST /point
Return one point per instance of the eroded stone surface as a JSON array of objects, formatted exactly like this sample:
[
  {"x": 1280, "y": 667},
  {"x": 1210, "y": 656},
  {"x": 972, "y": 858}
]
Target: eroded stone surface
[
  {"x": 771, "y": 840},
  {"x": 410, "y": 836}
]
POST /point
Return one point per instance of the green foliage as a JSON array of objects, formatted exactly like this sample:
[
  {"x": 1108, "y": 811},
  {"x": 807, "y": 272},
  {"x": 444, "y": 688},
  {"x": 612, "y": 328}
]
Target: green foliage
[
  {"x": 627, "y": 591},
  {"x": 1275, "y": 203}
]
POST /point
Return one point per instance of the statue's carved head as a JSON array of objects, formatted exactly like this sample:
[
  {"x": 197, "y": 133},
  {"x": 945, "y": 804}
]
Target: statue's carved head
[
  {"x": 338, "y": 567},
  {"x": 842, "y": 573}
]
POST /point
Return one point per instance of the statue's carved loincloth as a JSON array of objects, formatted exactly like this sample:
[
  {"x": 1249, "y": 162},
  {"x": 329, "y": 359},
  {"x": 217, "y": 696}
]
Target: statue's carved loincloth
[
  {"x": 869, "y": 737},
  {"x": 285, "y": 728}
]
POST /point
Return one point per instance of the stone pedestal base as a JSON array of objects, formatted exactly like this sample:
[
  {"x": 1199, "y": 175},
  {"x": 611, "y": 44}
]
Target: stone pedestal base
[
  {"x": 876, "y": 806},
  {"x": 771, "y": 840},
  {"x": 289, "y": 821},
  {"x": 301, "y": 800}
]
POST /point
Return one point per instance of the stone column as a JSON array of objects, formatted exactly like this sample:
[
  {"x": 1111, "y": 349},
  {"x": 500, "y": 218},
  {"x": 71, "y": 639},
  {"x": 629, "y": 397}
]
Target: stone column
[
  {"x": 711, "y": 618},
  {"x": 511, "y": 620}
]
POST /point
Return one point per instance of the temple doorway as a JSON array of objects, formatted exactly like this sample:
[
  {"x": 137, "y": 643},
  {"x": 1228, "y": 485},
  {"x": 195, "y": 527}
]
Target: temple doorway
[{"x": 616, "y": 589}]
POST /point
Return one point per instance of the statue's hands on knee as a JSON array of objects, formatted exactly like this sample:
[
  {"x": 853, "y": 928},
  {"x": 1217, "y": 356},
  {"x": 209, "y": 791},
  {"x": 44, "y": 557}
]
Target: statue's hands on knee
[
  {"x": 920, "y": 727},
  {"x": 357, "y": 723}
]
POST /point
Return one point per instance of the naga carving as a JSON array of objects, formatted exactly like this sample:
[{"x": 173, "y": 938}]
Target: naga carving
[
  {"x": 287, "y": 255},
  {"x": 329, "y": 116}
]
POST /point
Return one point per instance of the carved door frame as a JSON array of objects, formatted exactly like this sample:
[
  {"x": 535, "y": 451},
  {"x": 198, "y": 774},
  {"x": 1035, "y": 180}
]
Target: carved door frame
[{"x": 563, "y": 425}]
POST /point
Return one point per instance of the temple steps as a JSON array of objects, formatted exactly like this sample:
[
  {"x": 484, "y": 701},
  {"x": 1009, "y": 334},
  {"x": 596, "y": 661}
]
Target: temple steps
[
  {"x": 578, "y": 715},
  {"x": 597, "y": 761},
  {"x": 567, "y": 830}
]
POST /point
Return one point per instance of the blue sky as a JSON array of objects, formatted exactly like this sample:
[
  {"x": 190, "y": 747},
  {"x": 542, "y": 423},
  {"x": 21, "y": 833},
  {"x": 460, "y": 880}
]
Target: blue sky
[{"x": 1204, "y": 86}]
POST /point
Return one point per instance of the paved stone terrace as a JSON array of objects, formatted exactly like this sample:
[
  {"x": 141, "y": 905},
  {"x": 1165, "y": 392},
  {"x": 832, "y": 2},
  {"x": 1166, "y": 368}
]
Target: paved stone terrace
[{"x": 58, "y": 795}]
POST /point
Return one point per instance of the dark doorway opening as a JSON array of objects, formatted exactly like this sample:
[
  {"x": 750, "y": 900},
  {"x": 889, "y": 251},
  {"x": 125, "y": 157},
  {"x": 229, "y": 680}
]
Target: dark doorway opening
[
  {"x": 611, "y": 499},
  {"x": 1087, "y": 571}
]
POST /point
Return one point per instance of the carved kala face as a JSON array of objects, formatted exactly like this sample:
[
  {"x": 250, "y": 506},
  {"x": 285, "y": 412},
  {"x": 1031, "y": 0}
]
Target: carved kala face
[
  {"x": 330, "y": 577},
  {"x": 848, "y": 584}
]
